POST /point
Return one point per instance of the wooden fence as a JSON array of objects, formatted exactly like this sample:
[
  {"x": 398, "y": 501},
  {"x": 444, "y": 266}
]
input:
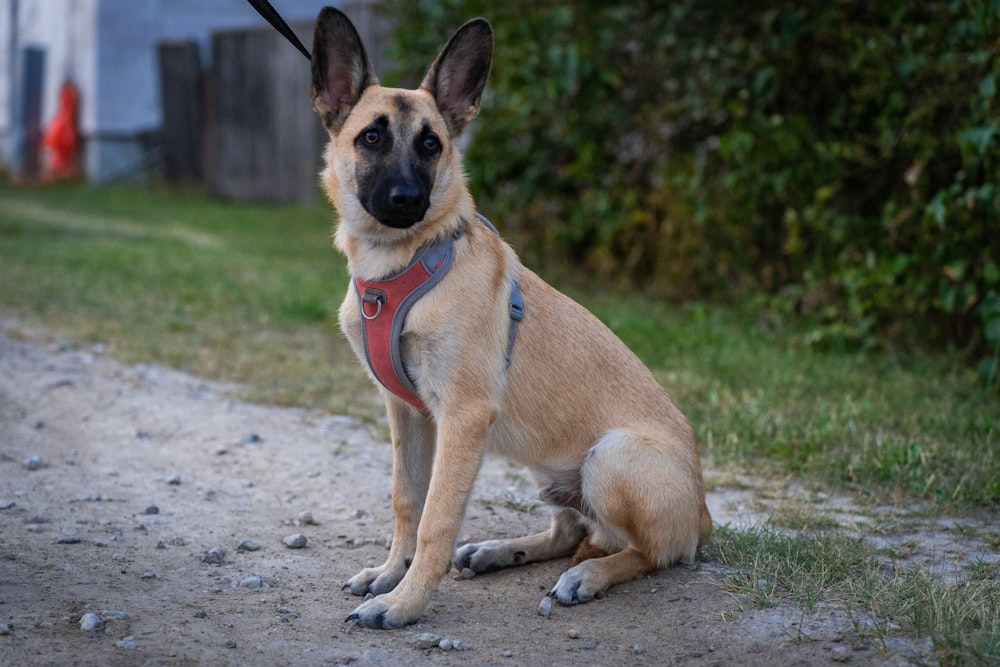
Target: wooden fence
[{"x": 246, "y": 128}]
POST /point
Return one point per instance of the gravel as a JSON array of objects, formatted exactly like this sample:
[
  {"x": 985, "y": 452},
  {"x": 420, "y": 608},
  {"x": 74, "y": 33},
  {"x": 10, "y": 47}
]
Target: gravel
[
  {"x": 295, "y": 541},
  {"x": 90, "y": 622},
  {"x": 249, "y": 545}
]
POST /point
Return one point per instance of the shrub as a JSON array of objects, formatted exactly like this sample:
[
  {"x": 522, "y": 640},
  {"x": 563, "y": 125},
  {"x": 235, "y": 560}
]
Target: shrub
[{"x": 841, "y": 158}]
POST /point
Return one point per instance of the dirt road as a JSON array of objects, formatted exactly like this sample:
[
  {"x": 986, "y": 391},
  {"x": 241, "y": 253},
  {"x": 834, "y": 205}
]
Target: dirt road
[{"x": 117, "y": 483}]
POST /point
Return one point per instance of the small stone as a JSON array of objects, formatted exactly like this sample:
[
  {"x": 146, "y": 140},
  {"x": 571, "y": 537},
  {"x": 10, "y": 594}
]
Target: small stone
[
  {"x": 68, "y": 539},
  {"x": 545, "y": 606},
  {"x": 250, "y": 439},
  {"x": 840, "y": 654},
  {"x": 283, "y": 609},
  {"x": 174, "y": 480},
  {"x": 6, "y": 629},
  {"x": 128, "y": 643},
  {"x": 457, "y": 644},
  {"x": 147, "y": 575},
  {"x": 118, "y": 556},
  {"x": 306, "y": 519},
  {"x": 249, "y": 545},
  {"x": 573, "y": 633},
  {"x": 425, "y": 640},
  {"x": 638, "y": 649},
  {"x": 230, "y": 644},
  {"x": 446, "y": 645},
  {"x": 214, "y": 556},
  {"x": 254, "y": 581},
  {"x": 201, "y": 614},
  {"x": 508, "y": 654},
  {"x": 34, "y": 463},
  {"x": 296, "y": 541},
  {"x": 90, "y": 622},
  {"x": 6, "y": 504},
  {"x": 152, "y": 509},
  {"x": 114, "y": 615}
]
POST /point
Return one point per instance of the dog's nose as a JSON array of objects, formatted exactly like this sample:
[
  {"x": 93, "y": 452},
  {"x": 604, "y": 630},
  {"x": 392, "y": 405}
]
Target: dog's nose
[{"x": 406, "y": 197}]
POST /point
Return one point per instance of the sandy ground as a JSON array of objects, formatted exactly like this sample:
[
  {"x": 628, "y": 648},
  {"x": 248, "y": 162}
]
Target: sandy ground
[{"x": 139, "y": 472}]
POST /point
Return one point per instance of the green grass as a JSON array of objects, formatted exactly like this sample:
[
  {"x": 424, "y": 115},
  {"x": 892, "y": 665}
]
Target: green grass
[
  {"x": 250, "y": 292},
  {"x": 767, "y": 566}
]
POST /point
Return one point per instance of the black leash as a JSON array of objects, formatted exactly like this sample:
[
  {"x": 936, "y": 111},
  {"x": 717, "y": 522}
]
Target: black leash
[{"x": 265, "y": 9}]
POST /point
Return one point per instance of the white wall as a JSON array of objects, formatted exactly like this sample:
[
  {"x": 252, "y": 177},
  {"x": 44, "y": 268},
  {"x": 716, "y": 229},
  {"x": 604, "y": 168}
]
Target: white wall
[{"x": 109, "y": 48}]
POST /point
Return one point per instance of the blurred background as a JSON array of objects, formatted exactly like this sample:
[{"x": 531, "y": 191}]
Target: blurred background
[{"x": 836, "y": 161}]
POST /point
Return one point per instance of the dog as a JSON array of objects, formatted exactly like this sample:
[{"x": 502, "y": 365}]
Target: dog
[{"x": 487, "y": 357}]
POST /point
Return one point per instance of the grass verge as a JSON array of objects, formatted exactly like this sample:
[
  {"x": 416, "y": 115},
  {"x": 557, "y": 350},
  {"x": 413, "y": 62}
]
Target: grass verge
[
  {"x": 768, "y": 565},
  {"x": 250, "y": 292}
]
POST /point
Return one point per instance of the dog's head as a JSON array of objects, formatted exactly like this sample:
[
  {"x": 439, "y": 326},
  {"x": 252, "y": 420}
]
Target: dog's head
[{"x": 392, "y": 163}]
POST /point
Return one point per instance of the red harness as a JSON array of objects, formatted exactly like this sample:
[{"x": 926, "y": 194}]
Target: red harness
[{"x": 385, "y": 304}]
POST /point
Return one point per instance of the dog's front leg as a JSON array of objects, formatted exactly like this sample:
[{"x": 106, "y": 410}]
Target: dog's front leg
[
  {"x": 412, "y": 456},
  {"x": 461, "y": 442}
]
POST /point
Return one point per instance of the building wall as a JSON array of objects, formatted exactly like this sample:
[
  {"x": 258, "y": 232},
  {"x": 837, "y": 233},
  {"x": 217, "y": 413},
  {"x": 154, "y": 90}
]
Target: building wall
[{"x": 109, "y": 48}]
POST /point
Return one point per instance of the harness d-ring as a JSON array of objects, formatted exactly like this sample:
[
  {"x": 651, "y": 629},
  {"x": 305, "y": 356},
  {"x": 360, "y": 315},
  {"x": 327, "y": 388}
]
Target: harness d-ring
[{"x": 375, "y": 296}]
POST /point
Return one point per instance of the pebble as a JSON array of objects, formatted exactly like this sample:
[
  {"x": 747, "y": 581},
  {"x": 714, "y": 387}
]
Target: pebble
[
  {"x": 296, "y": 541},
  {"x": 425, "y": 640},
  {"x": 249, "y": 545},
  {"x": 545, "y": 606},
  {"x": 34, "y": 463},
  {"x": 6, "y": 629},
  {"x": 214, "y": 556},
  {"x": 573, "y": 633},
  {"x": 68, "y": 539},
  {"x": 90, "y": 622},
  {"x": 152, "y": 509},
  {"x": 6, "y": 504},
  {"x": 128, "y": 643},
  {"x": 446, "y": 644},
  {"x": 250, "y": 439},
  {"x": 638, "y": 649},
  {"x": 114, "y": 615},
  {"x": 306, "y": 519},
  {"x": 255, "y": 581},
  {"x": 174, "y": 480},
  {"x": 283, "y": 609},
  {"x": 468, "y": 573}
]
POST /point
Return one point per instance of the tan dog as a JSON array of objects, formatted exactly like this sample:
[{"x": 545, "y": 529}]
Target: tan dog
[{"x": 609, "y": 448}]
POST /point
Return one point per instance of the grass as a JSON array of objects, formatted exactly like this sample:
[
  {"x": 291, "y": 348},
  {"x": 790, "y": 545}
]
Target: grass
[
  {"x": 768, "y": 565},
  {"x": 249, "y": 293}
]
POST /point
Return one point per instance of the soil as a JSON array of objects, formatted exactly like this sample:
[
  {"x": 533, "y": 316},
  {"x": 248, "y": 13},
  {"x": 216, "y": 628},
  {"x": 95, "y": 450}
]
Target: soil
[{"x": 117, "y": 483}]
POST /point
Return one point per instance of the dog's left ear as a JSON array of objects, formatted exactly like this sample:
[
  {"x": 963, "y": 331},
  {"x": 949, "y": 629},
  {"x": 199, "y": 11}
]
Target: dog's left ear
[{"x": 459, "y": 73}]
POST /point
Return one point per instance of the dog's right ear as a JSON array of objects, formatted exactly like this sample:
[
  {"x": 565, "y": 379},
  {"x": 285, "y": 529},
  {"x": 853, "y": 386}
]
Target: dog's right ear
[{"x": 340, "y": 68}]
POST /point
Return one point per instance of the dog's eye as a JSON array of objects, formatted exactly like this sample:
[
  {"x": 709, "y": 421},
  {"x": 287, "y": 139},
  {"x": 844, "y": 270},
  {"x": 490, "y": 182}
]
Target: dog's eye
[
  {"x": 371, "y": 137},
  {"x": 431, "y": 143}
]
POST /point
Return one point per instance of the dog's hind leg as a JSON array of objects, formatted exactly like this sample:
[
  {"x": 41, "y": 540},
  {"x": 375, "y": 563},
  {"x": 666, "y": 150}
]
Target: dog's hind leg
[
  {"x": 561, "y": 539},
  {"x": 412, "y": 458},
  {"x": 646, "y": 493}
]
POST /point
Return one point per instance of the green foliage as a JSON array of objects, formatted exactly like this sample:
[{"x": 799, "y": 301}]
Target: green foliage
[{"x": 842, "y": 157}]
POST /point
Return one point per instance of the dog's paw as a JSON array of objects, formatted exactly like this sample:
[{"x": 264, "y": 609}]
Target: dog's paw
[
  {"x": 488, "y": 556},
  {"x": 576, "y": 586},
  {"x": 379, "y": 613},
  {"x": 375, "y": 580}
]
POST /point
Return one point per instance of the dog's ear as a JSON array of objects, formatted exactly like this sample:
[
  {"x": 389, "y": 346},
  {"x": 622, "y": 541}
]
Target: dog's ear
[
  {"x": 340, "y": 68},
  {"x": 458, "y": 75}
]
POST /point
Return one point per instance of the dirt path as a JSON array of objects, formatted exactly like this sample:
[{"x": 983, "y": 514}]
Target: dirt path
[{"x": 144, "y": 470}]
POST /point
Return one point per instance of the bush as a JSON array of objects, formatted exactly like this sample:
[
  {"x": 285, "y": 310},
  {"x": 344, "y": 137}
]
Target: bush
[{"x": 839, "y": 157}]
